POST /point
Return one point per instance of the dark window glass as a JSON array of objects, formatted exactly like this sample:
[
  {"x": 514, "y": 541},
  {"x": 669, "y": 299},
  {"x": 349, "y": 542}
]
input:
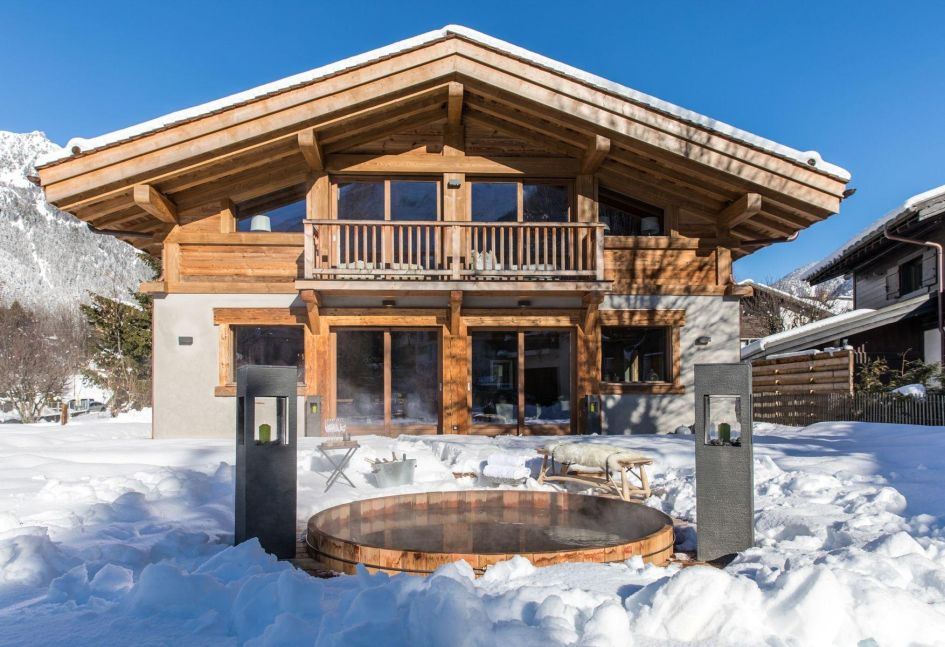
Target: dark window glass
[
  {"x": 494, "y": 201},
  {"x": 412, "y": 200},
  {"x": 270, "y": 346},
  {"x": 625, "y": 216},
  {"x": 545, "y": 203},
  {"x": 547, "y": 377},
  {"x": 288, "y": 217},
  {"x": 495, "y": 378},
  {"x": 360, "y": 377},
  {"x": 414, "y": 382},
  {"x": 360, "y": 201},
  {"x": 910, "y": 276},
  {"x": 633, "y": 355}
]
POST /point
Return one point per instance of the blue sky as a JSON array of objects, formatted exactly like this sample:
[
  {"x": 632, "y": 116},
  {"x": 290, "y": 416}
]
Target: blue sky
[{"x": 862, "y": 82}]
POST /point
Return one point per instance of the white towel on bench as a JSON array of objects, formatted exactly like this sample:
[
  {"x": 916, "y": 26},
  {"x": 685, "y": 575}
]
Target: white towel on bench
[
  {"x": 592, "y": 455},
  {"x": 514, "y": 460},
  {"x": 509, "y": 472}
]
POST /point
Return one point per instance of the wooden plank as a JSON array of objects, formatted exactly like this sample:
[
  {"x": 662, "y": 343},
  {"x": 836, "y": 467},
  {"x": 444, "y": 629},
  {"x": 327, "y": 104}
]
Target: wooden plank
[
  {"x": 429, "y": 163},
  {"x": 741, "y": 210},
  {"x": 155, "y": 203},
  {"x": 454, "y": 103},
  {"x": 594, "y": 156},
  {"x": 311, "y": 150},
  {"x": 255, "y": 317},
  {"x": 642, "y": 317}
]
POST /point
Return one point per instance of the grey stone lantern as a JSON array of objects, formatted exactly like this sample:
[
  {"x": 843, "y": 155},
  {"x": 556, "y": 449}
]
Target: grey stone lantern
[
  {"x": 724, "y": 474},
  {"x": 266, "y": 457}
]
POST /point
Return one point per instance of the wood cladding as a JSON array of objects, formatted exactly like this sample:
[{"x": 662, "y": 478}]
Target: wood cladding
[{"x": 828, "y": 372}]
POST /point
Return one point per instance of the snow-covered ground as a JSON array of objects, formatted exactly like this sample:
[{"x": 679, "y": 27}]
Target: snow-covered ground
[{"x": 110, "y": 538}]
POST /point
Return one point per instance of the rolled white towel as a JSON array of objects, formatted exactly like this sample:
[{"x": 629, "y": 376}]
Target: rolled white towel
[
  {"x": 509, "y": 472},
  {"x": 512, "y": 460}
]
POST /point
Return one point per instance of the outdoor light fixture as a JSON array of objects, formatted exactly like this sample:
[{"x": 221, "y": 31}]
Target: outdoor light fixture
[
  {"x": 524, "y": 303},
  {"x": 185, "y": 341},
  {"x": 388, "y": 303},
  {"x": 704, "y": 340},
  {"x": 453, "y": 184}
]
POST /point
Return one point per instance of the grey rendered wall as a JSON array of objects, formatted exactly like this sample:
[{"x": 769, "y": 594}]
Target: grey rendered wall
[
  {"x": 185, "y": 376},
  {"x": 715, "y": 317}
]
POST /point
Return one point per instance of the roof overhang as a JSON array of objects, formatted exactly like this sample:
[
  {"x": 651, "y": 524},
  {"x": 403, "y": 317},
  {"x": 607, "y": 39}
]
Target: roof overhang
[{"x": 247, "y": 145}]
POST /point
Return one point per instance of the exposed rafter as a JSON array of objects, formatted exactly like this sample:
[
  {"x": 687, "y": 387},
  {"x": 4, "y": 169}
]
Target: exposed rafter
[
  {"x": 155, "y": 203},
  {"x": 454, "y": 104},
  {"x": 594, "y": 156},
  {"x": 312, "y": 150},
  {"x": 739, "y": 211}
]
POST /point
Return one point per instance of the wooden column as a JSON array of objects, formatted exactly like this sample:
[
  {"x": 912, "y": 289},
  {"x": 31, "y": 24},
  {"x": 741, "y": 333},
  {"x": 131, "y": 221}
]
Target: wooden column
[
  {"x": 455, "y": 369},
  {"x": 588, "y": 355}
]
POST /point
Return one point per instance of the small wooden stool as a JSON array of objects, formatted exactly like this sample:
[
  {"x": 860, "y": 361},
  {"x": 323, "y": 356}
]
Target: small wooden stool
[{"x": 634, "y": 468}]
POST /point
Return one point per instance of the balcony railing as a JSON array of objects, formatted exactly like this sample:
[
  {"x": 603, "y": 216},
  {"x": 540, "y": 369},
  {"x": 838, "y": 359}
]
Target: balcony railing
[{"x": 453, "y": 251}]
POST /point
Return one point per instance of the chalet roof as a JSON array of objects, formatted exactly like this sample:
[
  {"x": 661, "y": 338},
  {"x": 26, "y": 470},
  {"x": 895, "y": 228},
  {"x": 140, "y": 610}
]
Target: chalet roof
[
  {"x": 799, "y": 302},
  {"x": 831, "y": 329},
  {"x": 919, "y": 207},
  {"x": 79, "y": 145}
]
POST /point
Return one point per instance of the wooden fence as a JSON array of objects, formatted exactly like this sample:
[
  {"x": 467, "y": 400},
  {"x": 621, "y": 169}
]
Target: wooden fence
[
  {"x": 827, "y": 372},
  {"x": 801, "y": 409}
]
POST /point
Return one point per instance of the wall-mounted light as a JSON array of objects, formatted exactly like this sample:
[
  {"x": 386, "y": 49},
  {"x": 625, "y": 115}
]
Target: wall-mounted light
[
  {"x": 453, "y": 184},
  {"x": 524, "y": 303},
  {"x": 704, "y": 340},
  {"x": 185, "y": 341},
  {"x": 388, "y": 303}
]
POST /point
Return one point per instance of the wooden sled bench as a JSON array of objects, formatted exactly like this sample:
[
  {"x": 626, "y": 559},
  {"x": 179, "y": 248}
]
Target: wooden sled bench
[{"x": 633, "y": 481}]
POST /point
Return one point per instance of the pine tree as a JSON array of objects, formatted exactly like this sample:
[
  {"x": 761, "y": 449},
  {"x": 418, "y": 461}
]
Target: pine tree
[{"x": 120, "y": 346}]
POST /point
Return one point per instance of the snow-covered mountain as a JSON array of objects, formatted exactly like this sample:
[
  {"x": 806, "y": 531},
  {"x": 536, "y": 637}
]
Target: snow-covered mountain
[
  {"x": 48, "y": 257},
  {"x": 836, "y": 294}
]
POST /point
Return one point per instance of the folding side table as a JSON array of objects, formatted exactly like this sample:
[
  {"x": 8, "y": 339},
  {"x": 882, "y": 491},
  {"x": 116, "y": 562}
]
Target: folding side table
[{"x": 349, "y": 447}]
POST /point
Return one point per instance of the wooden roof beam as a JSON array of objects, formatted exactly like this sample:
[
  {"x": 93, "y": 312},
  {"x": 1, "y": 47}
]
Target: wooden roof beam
[
  {"x": 312, "y": 150},
  {"x": 454, "y": 104},
  {"x": 739, "y": 211},
  {"x": 595, "y": 154},
  {"x": 155, "y": 203}
]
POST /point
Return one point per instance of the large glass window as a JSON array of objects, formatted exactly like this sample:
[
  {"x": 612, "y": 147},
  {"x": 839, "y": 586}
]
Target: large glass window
[
  {"x": 625, "y": 216},
  {"x": 361, "y": 200},
  {"x": 283, "y": 212},
  {"x": 413, "y": 200},
  {"x": 545, "y": 202},
  {"x": 414, "y": 382},
  {"x": 494, "y": 201},
  {"x": 495, "y": 378},
  {"x": 270, "y": 346},
  {"x": 360, "y": 377},
  {"x": 633, "y": 355},
  {"x": 547, "y": 377}
]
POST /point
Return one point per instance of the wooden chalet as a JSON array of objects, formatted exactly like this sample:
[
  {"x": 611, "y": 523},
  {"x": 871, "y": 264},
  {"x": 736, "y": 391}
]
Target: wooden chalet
[{"x": 446, "y": 235}]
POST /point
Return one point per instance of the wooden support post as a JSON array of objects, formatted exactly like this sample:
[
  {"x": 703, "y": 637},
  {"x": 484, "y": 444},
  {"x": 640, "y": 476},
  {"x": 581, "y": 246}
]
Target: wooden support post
[
  {"x": 311, "y": 150},
  {"x": 312, "y": 303},
  {"x": 456, "y": 305},
  {"x": 227, "y": 216},
  {"x": 588, "y": 353},
  {"x": 453, "y": 135},
  {"x": 155, "y": 203},
  {"x": 594, "y": 155}
]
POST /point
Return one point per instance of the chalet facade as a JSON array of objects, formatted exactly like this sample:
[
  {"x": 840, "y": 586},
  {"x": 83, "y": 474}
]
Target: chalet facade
[{"x": 447, "y": 235}]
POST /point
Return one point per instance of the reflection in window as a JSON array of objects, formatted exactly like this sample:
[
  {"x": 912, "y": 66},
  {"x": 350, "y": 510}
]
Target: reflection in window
[
  {"x": 494, "y": 201},
  {"x": 363, "y": 200},
  {"x": 287, "y": 217},
  {"x": 495, "y": 378},
  {"x": 270, "y": 346},
  {"x": 625, "y": 216},
  {"x": 547, "y": 377},
  {"x": 360, "y": 377},
  {"x": 414, "y": 381},
  {"x": 413, "y": 200},
  {"x": 634, "y": 355},
  {"x": 545, "y": 203},
  {"x": 910, "y": 276}
]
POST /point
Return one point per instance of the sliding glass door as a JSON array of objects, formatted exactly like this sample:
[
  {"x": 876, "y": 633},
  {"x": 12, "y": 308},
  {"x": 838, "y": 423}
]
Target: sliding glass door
[
  {"x": 387, "y": 381},
  {"x": 521, "y": 381}
]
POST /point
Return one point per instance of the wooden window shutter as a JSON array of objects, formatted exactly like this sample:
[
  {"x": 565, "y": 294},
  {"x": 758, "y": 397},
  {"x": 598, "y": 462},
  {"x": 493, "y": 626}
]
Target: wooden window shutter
[
  {"x": 929, "y": 268},
  {"x": 892, "y": 282}
]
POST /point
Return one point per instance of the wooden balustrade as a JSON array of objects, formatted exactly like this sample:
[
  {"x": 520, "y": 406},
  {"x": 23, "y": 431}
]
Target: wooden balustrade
[{"x": 458, "y": 251}]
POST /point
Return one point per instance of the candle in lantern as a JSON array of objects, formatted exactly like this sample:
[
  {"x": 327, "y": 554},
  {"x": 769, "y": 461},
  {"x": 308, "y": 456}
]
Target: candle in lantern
[{"x": 265, "y": 433}]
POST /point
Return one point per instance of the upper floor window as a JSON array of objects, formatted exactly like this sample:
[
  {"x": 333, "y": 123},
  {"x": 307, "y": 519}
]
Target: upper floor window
[
  {"x": 528, "y": 201},
  {"x": 270, "y": 346},
  {"x": 626, "y": 216},
  {"x": 282, "y": 211},
  {"x": 910, "y": 275},
  {"x": 387, "y": 199}
]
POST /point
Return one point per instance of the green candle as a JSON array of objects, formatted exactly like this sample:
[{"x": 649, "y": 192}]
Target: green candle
[
  {"x": 265, "y": 432},
  {"x": 725, "y": 433}
]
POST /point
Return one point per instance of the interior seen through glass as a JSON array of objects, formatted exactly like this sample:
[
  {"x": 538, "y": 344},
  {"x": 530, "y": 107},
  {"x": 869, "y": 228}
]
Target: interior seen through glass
[
  {"x": 625, "y": 216},
  {"x": 270, "y": 346},
  {"x": 285, "y": 218},
  {"x": 632, "y": 355},
  {"x": 360, "y": 377}
]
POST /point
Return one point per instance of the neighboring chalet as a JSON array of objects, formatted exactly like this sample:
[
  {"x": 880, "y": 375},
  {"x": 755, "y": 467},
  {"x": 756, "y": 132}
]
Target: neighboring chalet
[
  {"x": 770, "y": 310},
  {"x": 450, "y": 234},
  {"x": 895, "y": 288}
]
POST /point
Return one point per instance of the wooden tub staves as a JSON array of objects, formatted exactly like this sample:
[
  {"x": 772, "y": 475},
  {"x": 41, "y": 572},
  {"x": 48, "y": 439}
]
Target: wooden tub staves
[{"x": 417, "y": 533}]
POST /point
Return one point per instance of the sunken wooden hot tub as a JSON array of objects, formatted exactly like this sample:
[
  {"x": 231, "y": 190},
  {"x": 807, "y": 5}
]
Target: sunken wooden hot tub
[{"x": 416, "y": 533}]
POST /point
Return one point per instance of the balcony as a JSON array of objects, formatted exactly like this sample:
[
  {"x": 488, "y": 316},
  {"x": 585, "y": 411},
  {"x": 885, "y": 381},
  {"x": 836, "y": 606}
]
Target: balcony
[{"x": 499, "y": 256}]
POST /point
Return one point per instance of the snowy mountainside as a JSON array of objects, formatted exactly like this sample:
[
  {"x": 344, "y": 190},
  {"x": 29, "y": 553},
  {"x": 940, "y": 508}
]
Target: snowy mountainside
[
  {"x": 48, "y": 257},
  {"x": 838, "y": 291}
]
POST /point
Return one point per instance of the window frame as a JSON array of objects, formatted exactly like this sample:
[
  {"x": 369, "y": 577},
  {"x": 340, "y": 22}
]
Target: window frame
[
  {"x": 386, "y": 180},
  {"x": 673, "y": 321},
  {"x": 568, "y": 183},
  {"x": 914, "y": 262}
]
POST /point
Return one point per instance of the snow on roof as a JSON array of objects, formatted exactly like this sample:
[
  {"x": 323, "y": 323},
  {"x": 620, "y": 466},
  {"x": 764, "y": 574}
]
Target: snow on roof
[
  {"x": 759, "y": 345},
  {"x": 804, "y": 301},
  {"x": 810, "y": 159},
  {"x": 877, "y": 226}
]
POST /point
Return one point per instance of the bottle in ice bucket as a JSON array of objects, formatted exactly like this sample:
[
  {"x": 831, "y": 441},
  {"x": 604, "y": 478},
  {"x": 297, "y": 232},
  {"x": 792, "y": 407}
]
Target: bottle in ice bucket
[
  {"x": 265, "y": 433},
  {"x": 725, "y": 433}
]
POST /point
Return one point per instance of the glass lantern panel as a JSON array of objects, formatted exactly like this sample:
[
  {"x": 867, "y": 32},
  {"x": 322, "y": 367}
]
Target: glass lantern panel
[
  {"x": 270, "y": 420},
  {"x": 722, "y": 420}
]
